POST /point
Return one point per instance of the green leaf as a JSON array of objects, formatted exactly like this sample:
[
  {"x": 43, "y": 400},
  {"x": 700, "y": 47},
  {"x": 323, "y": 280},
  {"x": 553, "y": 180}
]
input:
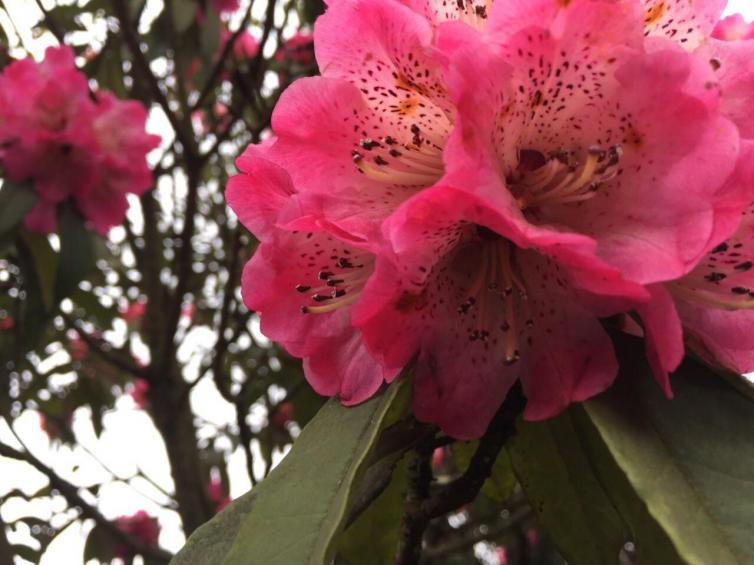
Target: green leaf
[
  {"x": 501, "y": 482},
  {"x": 46, "y": 263},
  {"x": 296, "y": 514},
  {"x": 76, "y": 253},
  {"x": 100, "y": 545},
  {"x": 556, "y": 475},
  {"x": 209, "y": 38},
  {"x": 15, "y": 201},
  {"x": 184, "y": 14},
  {"x": 373, "y": 538},
  {"x": 689, "y": 460}
]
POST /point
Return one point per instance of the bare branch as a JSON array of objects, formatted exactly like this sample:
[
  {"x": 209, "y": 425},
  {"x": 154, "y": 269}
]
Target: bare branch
[{"x": 71, "y": 494}]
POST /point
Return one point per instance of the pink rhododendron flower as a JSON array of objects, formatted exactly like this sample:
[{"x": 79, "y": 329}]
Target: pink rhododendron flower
[
  {"x": 141, "y": 526},
  {"x": 734, "y": 28},
  {"x": 283, "y": 414},
  {"x": 217, "y": 495},
  {"x": 140, "y": 393},
  {"x": 246, "y": 46},
  {"x": 713, "y": 301},
  {"x": 78, "y": 347},
  {"x": 473, "y": 185},
  {"x": 188, "y": 312},
  {"x": 69, "y": 146},
  {"x": 226, "y": 6},
  {"x": 7, "y": 323},
  {"x": 133, "y": 311},
  {"x": 299, "y": 49}
]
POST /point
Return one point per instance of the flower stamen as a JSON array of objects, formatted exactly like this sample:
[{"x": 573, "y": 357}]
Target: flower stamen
[
  {"x": 418, "y": 163},
  {"x": 338, "y": 287},
  {"x": 558, "y": 182}
]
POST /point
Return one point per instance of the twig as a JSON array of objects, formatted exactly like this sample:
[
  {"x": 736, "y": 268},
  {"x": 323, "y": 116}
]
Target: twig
[
  {"x": 220, "y": 64},
  {"x": 126, "y": 480},
  {"x": 21, "y": 43},
  {"x": 71, "y": 494},
  {"x": 140, "y": 62},
  {"x": 100, "y": 347},
  {"x": 464, "y": 489},
  {"x": 51, "y": 23}
]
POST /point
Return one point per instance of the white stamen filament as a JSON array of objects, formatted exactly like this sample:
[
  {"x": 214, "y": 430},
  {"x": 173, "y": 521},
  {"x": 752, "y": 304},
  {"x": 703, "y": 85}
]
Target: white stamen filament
[
  {"x": 333, "y": 304},
  {"x": 393, "y": 176},
  {"x": 556, "y": 182}
]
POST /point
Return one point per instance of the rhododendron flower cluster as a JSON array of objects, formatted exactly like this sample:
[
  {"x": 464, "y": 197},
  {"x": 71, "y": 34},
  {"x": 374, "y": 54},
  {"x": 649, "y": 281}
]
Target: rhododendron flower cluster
[
  {"x": 472, "y": 188},
  {"x": 71, "y": 146},
  {"x": 140, "y": 526}
]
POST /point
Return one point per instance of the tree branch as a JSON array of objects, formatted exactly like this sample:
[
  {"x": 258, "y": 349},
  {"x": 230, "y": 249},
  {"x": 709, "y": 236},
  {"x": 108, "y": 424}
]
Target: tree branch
[
  {"x": 71, "y": 494},
  {"x": 140, "y": 62},
  {"x": 52, "y": 25},
  {"x": 420, "y": 511},
  {"x": 220, "y": 64},
  {"x": 102, "y": 349}
]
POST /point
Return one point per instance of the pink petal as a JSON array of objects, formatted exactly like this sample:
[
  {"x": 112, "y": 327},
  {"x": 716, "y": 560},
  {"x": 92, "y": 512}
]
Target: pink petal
[
  {"x": 733, "y": 28},
  {"x": 571, "y": 357},
  {"x": 688, "y": 23},
  {"x": 664, "y": 336},
  {"x": 721, "y": 337},
  {"x": 258, "y": 194},
  {"x": 42, "y": 218},
  {"x": 735, "y": 77},
  {"x": 346, "y": 369}
]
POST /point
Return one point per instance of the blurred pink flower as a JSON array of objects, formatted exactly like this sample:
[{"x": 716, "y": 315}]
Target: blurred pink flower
[
  {"x": 77, "y": 347},
  {"x": 69, "y": 146},
  {"x": 141, "y": 526},
  {"x": 217, "y": 495},
  {"x": 134, "y": 311},
  {"x": 7, "y": 323},
  {"x": 298, "y": 49},
  {"x": 226, "y": 6},
  {"x": 188, "y": 312},
  {"x": 140, "y": 393},
  {"x": 283, "y": 414}
]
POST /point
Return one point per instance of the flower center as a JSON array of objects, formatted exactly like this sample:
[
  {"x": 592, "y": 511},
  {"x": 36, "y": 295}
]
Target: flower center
[
  {"x": 561, "y": 178},
  {"x": 418, "y": 163},
  {"x": 338, "y": 287},
  {"x": 496, "y": 285}
]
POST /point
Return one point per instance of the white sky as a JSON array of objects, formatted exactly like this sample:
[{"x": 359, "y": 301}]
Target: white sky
[{"x": 130, "y": 441}]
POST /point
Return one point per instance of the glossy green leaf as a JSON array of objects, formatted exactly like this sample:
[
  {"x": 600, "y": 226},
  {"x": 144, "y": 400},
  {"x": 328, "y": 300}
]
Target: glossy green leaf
[
  {"x": 373, "y": 538},
  {"x": 100, "y": 545},
  {"x": 296, "y": 514},
  {"x": 15, "y": 201},
  {"x": 46, "y": 262},
  {"x": 184, "y": 14},
  {"x": 689, "y": 460},
  {"x": 501, "y": 482},
  {"x": 210, "y": 35},
  {"x": 76, "y": 253},
  {"x": 557, "y": 477},
  {"x": 676, "y": 477}
]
